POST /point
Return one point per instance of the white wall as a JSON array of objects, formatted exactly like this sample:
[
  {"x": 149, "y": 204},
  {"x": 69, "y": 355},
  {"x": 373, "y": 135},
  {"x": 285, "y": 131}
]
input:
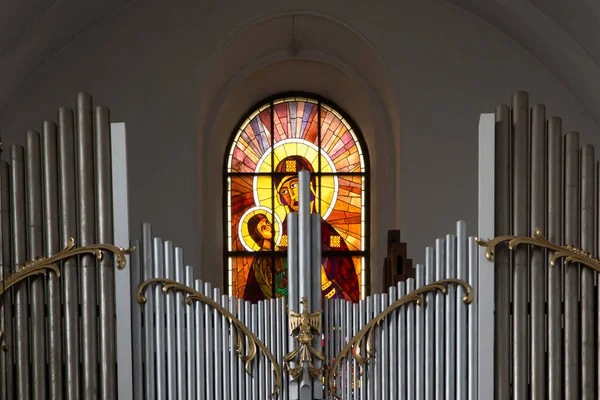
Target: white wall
[{"x": 415, "y": 75}]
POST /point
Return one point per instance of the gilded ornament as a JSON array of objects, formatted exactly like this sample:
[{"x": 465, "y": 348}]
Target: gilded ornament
[
  {"x": 307, "y": 326},
  {"x": 571, "y": 254},
  {"x": 242, "y": 330},
  {"x": 357, "y": 342},
  {"x": 41, "y": 265}
]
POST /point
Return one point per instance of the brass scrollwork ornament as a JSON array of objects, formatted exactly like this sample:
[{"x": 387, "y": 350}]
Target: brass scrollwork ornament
[
  {"x": 571, "y": 254},
  {"x": 307, "y": 326},
  {"x": 41, "y": 265},
  {"x": 242, "y": 331},
  {"x": 361, "y": 356}
]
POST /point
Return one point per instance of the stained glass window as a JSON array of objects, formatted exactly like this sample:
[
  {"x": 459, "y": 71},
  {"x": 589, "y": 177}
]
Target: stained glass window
[{"x": 279, "y": 138}]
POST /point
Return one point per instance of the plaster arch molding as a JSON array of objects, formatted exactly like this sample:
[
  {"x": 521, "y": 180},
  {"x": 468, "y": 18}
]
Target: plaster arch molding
[{"x": 310, "y": 53}]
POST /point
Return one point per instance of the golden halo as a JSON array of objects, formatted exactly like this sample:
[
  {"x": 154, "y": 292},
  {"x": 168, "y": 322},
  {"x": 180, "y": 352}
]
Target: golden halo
[
  {"x": 263, "y": 186},
  {"x": 243, "y": 233}
]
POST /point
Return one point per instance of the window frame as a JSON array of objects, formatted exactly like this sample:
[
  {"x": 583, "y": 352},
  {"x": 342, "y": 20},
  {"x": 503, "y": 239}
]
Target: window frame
[{"x": 366, "y": 253}]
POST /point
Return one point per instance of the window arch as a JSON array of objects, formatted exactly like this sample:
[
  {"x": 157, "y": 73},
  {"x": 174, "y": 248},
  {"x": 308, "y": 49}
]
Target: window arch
[{"x": 279, "y": 137}]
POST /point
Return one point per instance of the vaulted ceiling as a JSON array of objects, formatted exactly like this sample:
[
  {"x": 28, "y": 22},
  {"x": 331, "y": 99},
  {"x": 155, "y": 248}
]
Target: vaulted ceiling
[
  {"x": 562, "y": 35},
  {"x": 32, "y": 31}
]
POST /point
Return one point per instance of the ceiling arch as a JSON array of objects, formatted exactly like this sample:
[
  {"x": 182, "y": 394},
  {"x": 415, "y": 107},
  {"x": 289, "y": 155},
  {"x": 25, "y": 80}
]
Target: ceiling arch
[{"x": 561, "y": 35}]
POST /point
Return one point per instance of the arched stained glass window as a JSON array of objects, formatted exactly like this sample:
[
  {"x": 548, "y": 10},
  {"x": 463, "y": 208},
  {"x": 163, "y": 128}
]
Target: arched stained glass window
[{"x": 276, "y": 140}]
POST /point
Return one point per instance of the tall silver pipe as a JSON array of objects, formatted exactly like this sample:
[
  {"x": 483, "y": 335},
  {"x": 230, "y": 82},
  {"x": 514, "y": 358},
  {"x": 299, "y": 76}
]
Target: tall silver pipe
[
  {"x": 190, "y": 337},
  {"x": 393, "y": 324},
  {"x": 159, "y": 320},
  {"x": 293, "y": 276},
  {"x": 316, "y": 294},
  {"x": 137, "y": 312},
  {"x": 304, "y": 234},
  {"x": 274, "y": 333},
  {"x": 241, "y": 312},
  {"x": 555, "y": 235},
  {"x": 225, "y": 340},
  {"x": 343, "y": 332},
  {"x": 410, "y": 343},
  {"x": 209, "y": 341},
  {"x": 429, "y": 325},
  {"x": 6, "y": 314},
  {"x": 106, "y": 272},
  {"x": 335, "y": 318},
  {"x": 149, "y": 341},
  {"x": 19, "y": 230},
  {"x": 246, "y": 319},
  {"x": 68, "y": 229},
  {"x": 502, "y": 226},
  {"x": 293, "y": 289},
  {"x": 450, "y": 346},
  {"x": 217, "y": 345},
  {"x": 285, "y": 349},
  {"x": 33, "y": 190},
  {"x": 402, "y": 350},
  {"x": 440, "y": 273},
  {"x": 87, "y": 231},
  {"x": 461, "y": 389},
  {"x": 370, "y": 375},
  {"x": 170, "y": 332},
  {"x": 52, "y": 246},
  {"x": 304, "y": 263},
  {"x": 254, "y": 328},
  {"x": 260, "y": 333},
  {"x": 375, "y": 367},
  {"x": 382, "y": 381},
  {"x": 271, "y": 338},
  {"x": 588, "y": 301},
  {"x": 382, "y": 361},
  {"x": 419, "y": 329},
  {"x": 180, "y": 313},
  {"x": 520, "y": 213},
  {"x": 571, "y": 305},
  {"x": 201, "y": 354},
  {"x": 233, "y": 360},
  {"x": 355, "y": 329},
  {"x": 383, "y": 364},
  {"x": 473, "y": 319},
  {"x": 537, "y": 255}
]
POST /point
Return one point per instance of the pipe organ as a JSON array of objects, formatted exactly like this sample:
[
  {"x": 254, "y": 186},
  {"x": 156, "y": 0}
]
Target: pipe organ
[{"x": 507, "y": 309}]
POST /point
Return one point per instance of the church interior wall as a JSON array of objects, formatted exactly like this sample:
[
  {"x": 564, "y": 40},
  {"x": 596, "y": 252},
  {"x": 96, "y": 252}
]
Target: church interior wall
[{"x": 414, "y": 75}]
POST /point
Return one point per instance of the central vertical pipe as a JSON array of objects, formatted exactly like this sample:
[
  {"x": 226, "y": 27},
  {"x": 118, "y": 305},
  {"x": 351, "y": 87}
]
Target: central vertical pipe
[
  {"x": 293, "y": 300},
  {"x": 304, "y": 263}
]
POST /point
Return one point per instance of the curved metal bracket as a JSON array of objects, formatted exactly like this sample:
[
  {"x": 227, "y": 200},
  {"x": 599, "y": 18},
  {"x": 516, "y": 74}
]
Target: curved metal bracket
[
  {"x": 358, "y": 340},
  {"x": 571, "y": 254},
  {"x": 241, "y": 329},
  {"x": 41, "y": 265}
]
